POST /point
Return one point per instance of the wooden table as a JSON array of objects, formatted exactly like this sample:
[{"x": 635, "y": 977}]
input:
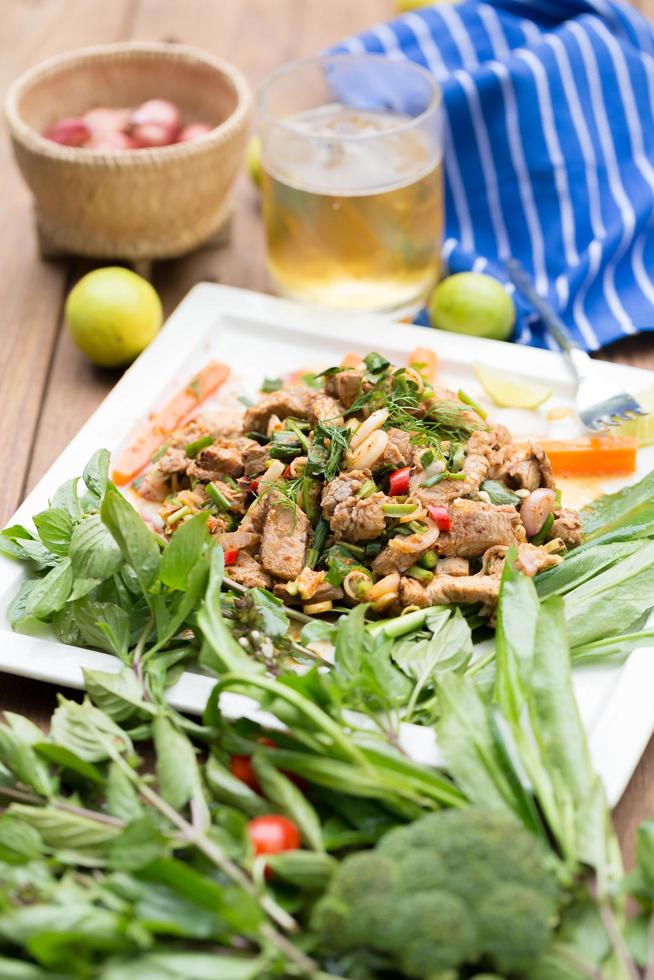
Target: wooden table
[{"x": 47, "y": 389}]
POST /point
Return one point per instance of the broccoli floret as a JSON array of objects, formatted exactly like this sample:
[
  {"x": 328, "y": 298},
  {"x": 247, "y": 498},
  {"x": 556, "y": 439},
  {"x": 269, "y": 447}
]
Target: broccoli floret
[{"x": 443, "y": 892}]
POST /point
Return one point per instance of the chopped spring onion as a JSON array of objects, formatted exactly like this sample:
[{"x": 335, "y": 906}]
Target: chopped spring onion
[
  {"x": 458, "y": 459},
  {"x": 319, "y": 538},
  {"x": 259, "y": 437},
  {"x": 271, "y": 384},
  {"x": 439, "y": 477},
  {"x": 178, "y": 515},
  {"x": 427, "y": 458},
  {"x": 541, "y": 537},
  {"x": 220, "y": 500},
  {"x": 355, "y": 549},
  {"x": 398, "y": 510},
  {"x": 373, "y": 549},
  {"x": 467, "y": 400},
  {"x": 195, "y": 447},
  {"x": 293, "y": 426},
  {"x": 420, "y": 574},
  {"x": 368, "y": 487}
]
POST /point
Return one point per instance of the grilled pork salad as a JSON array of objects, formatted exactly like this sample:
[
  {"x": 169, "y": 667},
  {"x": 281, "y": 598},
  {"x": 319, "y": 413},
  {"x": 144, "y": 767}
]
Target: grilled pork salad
[{"x": 369, "y": 484}]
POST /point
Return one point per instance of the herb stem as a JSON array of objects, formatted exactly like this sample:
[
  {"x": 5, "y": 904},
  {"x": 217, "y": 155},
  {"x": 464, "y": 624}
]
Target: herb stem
[
  {"x": 291, "y": 613},
  {"x": 24, "y": 796},
  {"x": 399, "y": 625}
]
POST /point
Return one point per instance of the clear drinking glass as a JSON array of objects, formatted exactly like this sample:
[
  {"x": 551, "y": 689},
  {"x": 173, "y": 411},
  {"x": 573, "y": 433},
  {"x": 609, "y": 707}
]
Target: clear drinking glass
[{"x": 352, "y": 181}]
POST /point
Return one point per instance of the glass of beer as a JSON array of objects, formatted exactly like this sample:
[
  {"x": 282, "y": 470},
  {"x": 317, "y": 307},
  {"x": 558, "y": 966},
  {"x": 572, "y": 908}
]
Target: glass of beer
[{"x": 352, "y": 181}]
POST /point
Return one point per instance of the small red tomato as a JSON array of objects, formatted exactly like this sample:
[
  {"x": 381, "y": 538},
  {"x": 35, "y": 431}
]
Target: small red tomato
[
  {"x": 241, "y": 767},
  {"x": 193, "y": 132},
  {"x": 272, "y": 834}
]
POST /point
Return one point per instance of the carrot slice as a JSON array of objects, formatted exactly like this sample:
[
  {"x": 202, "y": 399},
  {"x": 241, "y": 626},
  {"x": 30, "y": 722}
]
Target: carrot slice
[
  {"x": 425, "y": 362},
  {"x": 351, "y": 360},
  {"x": 591, "y": 455},
  {"x": 153, "y": 432}
]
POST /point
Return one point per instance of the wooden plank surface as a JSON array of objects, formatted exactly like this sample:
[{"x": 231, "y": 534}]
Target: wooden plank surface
[{"x": 47, "y": 390}]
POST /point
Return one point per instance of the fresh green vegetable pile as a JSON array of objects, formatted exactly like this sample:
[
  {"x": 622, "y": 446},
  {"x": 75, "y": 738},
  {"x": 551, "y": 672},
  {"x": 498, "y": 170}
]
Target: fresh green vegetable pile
[{"x": 136, "y": 843}]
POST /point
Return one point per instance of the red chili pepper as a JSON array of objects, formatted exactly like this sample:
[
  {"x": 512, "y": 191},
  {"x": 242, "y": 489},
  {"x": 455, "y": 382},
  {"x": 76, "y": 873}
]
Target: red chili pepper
[
  {"x": 230, "y": 556},
  {"x": 398, "y": 481},
  {"x": 254, "y": 486},
  {"x": 440, "y": 516},
  {"x": 241, "y": 767}
]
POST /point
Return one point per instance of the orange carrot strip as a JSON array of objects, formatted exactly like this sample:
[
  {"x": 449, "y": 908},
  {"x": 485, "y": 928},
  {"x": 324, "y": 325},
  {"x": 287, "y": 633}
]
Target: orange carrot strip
[
  {"x": 425, "y": 362},
  {"x": 351, "y": 360},
  {"x": 591, "y": 455},
  {"x": 153, "y": 432}
]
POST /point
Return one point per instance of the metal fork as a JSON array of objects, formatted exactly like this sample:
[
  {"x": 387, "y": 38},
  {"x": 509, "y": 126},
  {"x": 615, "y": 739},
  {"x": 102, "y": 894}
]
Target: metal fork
[{"x": 599, "y": 402}]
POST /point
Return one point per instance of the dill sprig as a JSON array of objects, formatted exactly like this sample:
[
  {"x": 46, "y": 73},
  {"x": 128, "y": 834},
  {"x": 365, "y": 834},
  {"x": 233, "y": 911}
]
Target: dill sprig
[{"x": 429, "y": 423}]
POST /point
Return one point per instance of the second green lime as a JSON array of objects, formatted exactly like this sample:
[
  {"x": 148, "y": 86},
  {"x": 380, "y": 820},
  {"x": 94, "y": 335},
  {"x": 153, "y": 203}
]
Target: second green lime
[
  {"x": 112, "y": 315},
  {"x": 472, "y": 303}
]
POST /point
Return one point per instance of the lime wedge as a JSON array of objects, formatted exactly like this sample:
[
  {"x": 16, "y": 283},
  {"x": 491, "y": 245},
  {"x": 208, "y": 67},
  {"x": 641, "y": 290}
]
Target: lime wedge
[
  {"x": 510, "y": 390},
  {"x": 641, "y": 429}
]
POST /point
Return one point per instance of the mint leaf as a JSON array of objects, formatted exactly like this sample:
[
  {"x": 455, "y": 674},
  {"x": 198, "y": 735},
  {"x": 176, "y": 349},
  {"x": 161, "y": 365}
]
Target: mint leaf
[
  {"x": 139, "y": 844},
  {"x": 177, "y": 769},
  {"x": 119, "y": 695}
]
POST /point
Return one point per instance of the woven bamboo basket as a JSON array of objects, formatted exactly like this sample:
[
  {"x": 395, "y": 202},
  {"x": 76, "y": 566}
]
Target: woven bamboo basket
[{"x": 130, "y": 204}]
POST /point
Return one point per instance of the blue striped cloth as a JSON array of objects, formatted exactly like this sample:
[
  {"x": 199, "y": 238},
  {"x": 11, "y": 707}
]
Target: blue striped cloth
[{"x": 549, "y": 150}]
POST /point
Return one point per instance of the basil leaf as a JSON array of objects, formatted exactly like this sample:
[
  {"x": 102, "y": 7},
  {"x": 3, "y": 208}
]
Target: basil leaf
[
  {"x": 185, "y": 966},
  {"x": 55, "y": 527},
  {"x": 17, "y": 614},
  {"x": 67, "y": 498},
  {"x": 18, "y": 736},
  {"x": 139, "y": 844},
  {"x": 220, "y": 651},
  {"x": 66, "y": 759},
  {"x": 94, "y": 555},
  {"x": 183, "y": 552},
  {"x": 449, "y": 649},
  {"x": 466, "y": 737},
  {"x": 118, "y": 694},
  {"x": 96, "y": 472},
  {"x": 270, "y": 616},
  {"x": 138, "y": 544},
  {"x": 20, "y": 970},
  {"x": 177, "y": 770},
  {"x": 122, "y": 797},
  {"x": 19, "y": 843},
  {"x": 350, "y": 641},
  {"x": 226, "y": 788},
  {"x": 317, "y": 631},
  {"x": 87, "y": 731},
  {"x": 61, "y": 829},
  {"x": 103, "y": 625},
  {"x": 279, "y": 789},
  {"x": 50, "y": 593}
]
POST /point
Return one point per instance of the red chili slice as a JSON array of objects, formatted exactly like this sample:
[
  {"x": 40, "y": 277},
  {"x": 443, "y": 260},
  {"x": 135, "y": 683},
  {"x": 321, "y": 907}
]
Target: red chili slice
[
  {"x": 440, "y": 516},
  {"x": 230, "y": 556}
]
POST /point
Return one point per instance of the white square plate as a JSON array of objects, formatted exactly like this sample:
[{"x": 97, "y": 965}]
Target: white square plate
[{"x": 261, "y": 336}]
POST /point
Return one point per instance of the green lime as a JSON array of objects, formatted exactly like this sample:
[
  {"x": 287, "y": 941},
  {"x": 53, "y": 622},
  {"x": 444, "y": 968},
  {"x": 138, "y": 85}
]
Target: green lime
[
  {"x": 472, "y": 303},
  {"x": 510, "y": 390},
  {"x": 253, "y": 160},
  {"x": 112, "y": 315}
]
